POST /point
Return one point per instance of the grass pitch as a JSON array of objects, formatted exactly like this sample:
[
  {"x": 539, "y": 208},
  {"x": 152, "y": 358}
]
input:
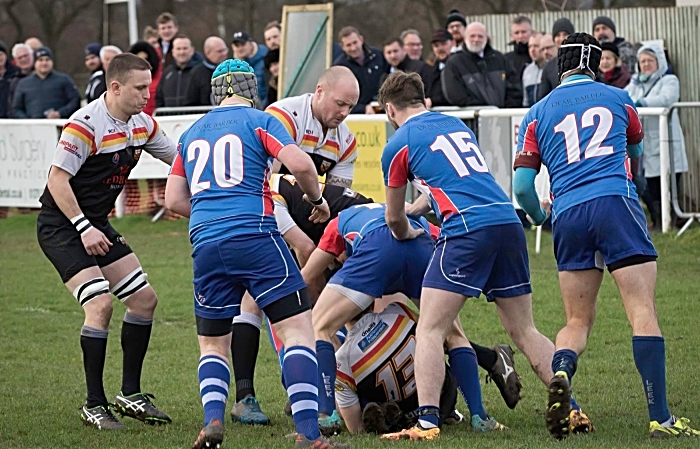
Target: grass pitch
[{"x": 42, "y": 383}]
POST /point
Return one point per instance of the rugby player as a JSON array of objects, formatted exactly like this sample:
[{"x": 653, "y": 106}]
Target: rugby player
[
  {"x": 220, "y": 180},
  {"x": 375, "y": 388},
  {"x": 377, "y": 264},
  {"x": 98, "y": 148},
  {"x": 582, "y": 132},
  {"x": 481, "y": 247},
  {"x": 315, "y": 122}
]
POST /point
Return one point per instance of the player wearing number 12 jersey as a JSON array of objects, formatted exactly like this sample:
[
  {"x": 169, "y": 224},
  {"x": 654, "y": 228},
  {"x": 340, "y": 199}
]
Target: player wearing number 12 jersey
[
  {"x": 481, "y": 248},
  {"x": 219, "y": 180},
  {"x": 581, "y": 132}
]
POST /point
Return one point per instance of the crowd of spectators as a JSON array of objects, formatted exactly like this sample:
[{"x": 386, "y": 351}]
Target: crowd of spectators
[{"x": 461, "y": 69}]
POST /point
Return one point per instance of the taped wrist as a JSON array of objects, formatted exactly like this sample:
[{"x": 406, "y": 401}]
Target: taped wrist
[{"x": 82, "y": 225}]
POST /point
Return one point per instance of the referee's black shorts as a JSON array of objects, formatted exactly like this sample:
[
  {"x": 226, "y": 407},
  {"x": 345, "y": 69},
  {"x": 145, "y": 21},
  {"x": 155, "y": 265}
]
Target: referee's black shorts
[{"x": 64, "y": 248}]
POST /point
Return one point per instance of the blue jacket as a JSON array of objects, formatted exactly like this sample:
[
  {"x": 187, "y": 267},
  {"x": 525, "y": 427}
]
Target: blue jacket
[
  {"x": 35, "y": 95},
  {"x": 257, "y": 61},
  {"x": 369, "y": 75}
]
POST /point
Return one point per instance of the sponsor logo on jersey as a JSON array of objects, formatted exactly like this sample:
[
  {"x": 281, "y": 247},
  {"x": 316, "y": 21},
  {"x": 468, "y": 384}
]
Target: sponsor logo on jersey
[
  {"x": 137, "y": 154},
  {"x": 308, "y": 131},
  {"x": 371, "y": 334},
  {"x": 339, "y": 387},
  {"x": 110, "y": 131},
  {"x": 72, "y": 149},
  {"x": 115, "y": 158},
  {"x": 325, "y": 165}
]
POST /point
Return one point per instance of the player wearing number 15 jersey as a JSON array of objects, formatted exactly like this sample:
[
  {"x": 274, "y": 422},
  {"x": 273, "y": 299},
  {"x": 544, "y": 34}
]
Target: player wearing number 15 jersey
[
  {"x": 219, "y": 179},
  {"x": 481, "y": 248}
]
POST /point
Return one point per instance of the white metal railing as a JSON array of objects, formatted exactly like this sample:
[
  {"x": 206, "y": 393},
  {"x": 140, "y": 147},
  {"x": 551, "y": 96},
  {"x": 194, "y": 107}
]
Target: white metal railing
[{"x": 27, "y": 147}]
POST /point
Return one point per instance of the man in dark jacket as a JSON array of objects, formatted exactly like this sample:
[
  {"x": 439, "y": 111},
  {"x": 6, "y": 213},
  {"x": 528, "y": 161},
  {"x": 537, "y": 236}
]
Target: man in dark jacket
[
  {"x": 520, "y": 32},
  {"x": 366, "y": 63},
  {"x": 96, "y": 85},
  {"x": 398, "y": 59},
  {"x": 199, "y": 90},
  {"x": 7, "y": 73},
  {"x": 479, "y": 75},
  {"x": 561, "y": 29},
  {"x": 46, "y": 93},
  {"x": 442, "y": 43},
  {"x": 172, "y": 90},
  {"x": 604, "y": 30}
]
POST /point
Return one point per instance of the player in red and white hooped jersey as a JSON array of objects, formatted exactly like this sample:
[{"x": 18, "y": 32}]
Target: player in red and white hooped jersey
[{"x": 315, "y": 122}]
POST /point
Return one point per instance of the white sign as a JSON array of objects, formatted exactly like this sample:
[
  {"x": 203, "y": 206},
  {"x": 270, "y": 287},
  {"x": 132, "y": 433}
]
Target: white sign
[{"x": 26, "y": 151}]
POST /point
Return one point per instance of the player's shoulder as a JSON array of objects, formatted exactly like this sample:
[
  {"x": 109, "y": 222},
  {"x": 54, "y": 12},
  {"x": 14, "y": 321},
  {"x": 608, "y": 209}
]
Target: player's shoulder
[
  {"x": 292, "y": 105},
  {"x": 92, "y": 116}
]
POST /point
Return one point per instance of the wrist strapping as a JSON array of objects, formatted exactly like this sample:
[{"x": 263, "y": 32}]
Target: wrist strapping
[
  {"x": 82, "y": 225},
  {"x": 318, "y": 202}
]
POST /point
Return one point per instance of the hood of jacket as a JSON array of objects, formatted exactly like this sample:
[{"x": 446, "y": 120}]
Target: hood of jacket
[{"x": 660, "y": 58}]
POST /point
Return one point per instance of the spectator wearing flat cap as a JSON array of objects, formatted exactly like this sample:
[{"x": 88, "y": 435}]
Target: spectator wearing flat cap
[
  {"x": 604, "y": 30},
  {"x": 46, "y": 93},
  {"x": 611, "y": 70},
  {"x": 442, "y": 44},
  {"x": 8, "y": 72},
  {"x": 96, "y": 85},
  {"x": 561, "y": 29},
  {"x": 246, "y": 49}
]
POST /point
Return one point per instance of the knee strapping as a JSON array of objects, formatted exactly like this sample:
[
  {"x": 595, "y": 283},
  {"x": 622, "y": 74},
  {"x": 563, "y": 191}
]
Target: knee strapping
[
  {"x": 91, "y": 289},
  {"x": 133, "y": 282}
]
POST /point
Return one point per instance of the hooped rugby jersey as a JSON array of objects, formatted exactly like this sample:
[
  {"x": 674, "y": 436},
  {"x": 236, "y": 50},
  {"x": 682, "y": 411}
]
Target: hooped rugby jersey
[
  {"x": 346, "y": 231},
  {"x": 226, "y": 157},
  {"x": 335, "y": 153},
  {"x": 291, "y": 210},
  {"x": 100, "y": 152},
  {"x": 375, "y": 363},
  {"x": 580, "y": 132},
  {"x": 439, "y": 154}
]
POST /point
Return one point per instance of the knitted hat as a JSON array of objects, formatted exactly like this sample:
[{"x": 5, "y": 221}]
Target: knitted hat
[
  {"x": 563, "y": 24},
  {"x": 610, "y": 47},
  {"x": 579, "y": 51},
  {"x": 604, "y": 20},
  {"x": 43, "y": 51},
  {"x": 93, "y": 49},
  {"x": 455, "y": 16},
  {"x": 234, "y": 78}
]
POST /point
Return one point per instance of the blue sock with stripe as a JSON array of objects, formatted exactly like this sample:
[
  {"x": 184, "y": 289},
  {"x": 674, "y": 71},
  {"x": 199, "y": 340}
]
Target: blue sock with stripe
[
  {"x": 326, "y": 376},
  {"x": 300, "y": 373},
  {"x": 650, "y": 358},
  {"x": 465, "y": 368},
  {"x": 214, "y": 378}
]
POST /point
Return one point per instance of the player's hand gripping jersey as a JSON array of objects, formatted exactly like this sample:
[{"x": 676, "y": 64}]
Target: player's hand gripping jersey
[
  {"x": 100, "y": 152},
  {"x": 441, "y": 157},
  {"x": 582, "y": 140},
  {"x": 228, "y": 172},
  {"x": 334, "y": 153},
  {"x": 291, "y": 210}
]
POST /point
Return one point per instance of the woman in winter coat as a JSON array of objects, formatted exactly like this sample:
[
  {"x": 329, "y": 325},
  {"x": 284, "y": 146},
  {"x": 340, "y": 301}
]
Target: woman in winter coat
[
  {"x": 651, "y": 86},
  {"x": 611, "y": 70}
]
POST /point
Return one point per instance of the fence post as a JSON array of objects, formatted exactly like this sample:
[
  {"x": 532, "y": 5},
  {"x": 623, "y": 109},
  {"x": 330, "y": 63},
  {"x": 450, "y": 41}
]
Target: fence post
[{"x": 665, "y": 172}]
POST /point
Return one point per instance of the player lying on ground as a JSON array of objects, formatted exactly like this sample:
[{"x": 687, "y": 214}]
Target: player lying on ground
[
  {"x": 582, "y": 132},
  {"x": 292, "y": 213},
  {"x": 377, "y": 265},
  {"x": 98, "y": 148},
  {"x": 481, "y": 248},
  {"x": 375, "y": 388},
  {"x": 220, "y": 180}
]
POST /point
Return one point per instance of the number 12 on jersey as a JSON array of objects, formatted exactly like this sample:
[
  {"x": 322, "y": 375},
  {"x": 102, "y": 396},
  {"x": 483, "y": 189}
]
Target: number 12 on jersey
[
  {"x": 468, "y": 155},
  {"x": 570, "y": 130}
]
